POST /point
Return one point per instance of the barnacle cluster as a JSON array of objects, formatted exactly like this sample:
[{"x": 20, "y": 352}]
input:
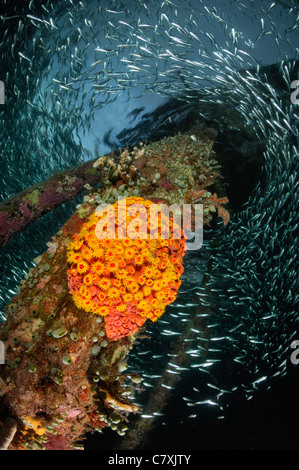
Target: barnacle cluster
[
  {"x": 121, "y": 168},
  {"x": 126, "y": 279},
  {"x": 176, "y": 169}
]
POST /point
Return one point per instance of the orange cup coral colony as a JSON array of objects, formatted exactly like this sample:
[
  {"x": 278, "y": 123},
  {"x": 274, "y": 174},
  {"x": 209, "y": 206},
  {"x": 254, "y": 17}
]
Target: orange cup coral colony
[{"x": 125, "y": 266}]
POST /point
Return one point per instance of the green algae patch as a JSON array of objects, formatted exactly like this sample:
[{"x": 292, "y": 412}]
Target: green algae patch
[{"x": 33, "y": 197}]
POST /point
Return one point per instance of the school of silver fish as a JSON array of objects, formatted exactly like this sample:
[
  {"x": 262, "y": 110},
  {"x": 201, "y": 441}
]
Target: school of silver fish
[{"x": 73, "y": 73}]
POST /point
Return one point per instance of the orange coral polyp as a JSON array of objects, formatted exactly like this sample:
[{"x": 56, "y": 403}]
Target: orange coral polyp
[
  {"x": 127, "y": 281},
  {"x": 35, "y": 424},
  {"x": 101, "y": 295}
]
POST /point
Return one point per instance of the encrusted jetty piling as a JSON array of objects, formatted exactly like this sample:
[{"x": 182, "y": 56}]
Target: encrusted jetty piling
[{"x": 79, "y": 310}]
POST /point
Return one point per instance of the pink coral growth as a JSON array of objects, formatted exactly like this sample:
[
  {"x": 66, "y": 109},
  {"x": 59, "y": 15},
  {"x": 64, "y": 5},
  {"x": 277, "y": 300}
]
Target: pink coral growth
[{"x": 163, "y": 183}]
